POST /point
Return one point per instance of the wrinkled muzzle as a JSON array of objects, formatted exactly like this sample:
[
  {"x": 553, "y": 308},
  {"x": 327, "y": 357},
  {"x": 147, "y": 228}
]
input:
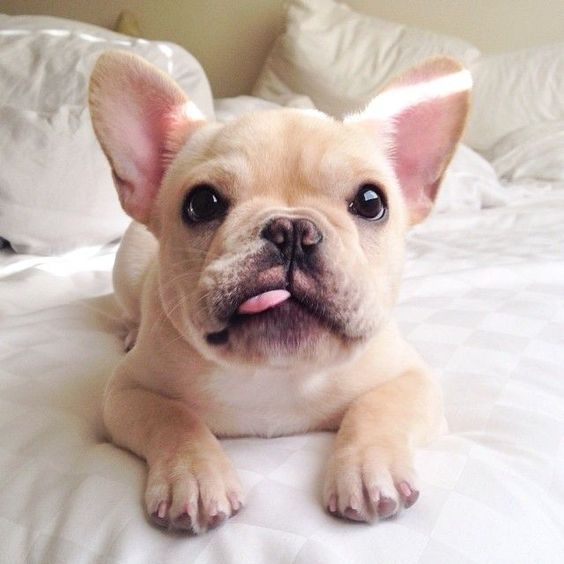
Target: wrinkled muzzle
[{"x": 288, "y": 295}]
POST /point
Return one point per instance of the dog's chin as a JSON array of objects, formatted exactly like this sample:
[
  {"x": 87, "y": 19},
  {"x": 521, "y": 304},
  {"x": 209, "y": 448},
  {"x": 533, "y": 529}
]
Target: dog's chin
[{"x": 286, "y": 334}]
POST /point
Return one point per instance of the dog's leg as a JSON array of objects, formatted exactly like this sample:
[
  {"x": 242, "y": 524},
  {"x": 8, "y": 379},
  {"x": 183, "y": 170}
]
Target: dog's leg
[
  {"x": 191, "y": 483},
  {"x": 136, "y": 252},
  {"x": 370, "y": 472}
]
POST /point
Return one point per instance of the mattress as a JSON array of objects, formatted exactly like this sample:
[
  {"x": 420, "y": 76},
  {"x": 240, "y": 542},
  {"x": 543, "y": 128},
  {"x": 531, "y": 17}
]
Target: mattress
[{"x": 483, "y": 302}]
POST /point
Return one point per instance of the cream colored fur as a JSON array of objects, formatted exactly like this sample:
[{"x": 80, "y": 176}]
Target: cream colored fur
[{"x": 174, "y": 393}]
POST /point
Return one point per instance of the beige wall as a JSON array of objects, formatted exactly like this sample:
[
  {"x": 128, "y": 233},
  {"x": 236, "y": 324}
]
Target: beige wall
[{"x": 231, "y": 37}]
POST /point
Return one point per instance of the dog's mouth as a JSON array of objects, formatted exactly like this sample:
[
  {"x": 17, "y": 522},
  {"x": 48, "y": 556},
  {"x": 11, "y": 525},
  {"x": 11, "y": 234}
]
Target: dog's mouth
[
  {"x": 278, "y": 318},
  {"x": 263, "y": 302}
]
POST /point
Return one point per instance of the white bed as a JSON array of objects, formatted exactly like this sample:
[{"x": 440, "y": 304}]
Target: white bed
[{"x": 483, "y": 302}]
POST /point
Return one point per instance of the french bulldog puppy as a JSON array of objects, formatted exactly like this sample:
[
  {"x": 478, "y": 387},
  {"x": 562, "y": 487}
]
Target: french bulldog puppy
[{"x": 258, "y": 279}]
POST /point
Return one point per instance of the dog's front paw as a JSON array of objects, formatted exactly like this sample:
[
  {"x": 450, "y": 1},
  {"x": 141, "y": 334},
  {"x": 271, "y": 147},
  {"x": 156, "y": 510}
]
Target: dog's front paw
[
  {"x": 192, "y": 493},
  {"x": 368, "y": 483}
]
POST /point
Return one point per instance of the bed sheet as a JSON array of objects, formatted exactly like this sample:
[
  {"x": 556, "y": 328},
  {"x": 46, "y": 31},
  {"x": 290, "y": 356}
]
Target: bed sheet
[{"x": 483, "y": 302}]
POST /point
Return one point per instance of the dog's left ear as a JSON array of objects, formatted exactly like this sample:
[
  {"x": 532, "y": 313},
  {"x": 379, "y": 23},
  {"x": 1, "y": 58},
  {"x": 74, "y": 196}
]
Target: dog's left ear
[
  {"x": 141, "y": 118},
  {"x": 421, "y": 116}
]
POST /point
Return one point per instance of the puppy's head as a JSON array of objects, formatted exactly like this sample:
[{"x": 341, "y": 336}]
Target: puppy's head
[{"x": 281, "y": 233}]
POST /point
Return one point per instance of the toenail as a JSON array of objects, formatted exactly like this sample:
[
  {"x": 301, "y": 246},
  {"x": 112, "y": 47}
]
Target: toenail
[
  {"x": 183, "y": 521},
  {"x": 386, "y": 507},
  {"x": 216, "y": 520},
  {"x": 353, "y": 514},
  {"x": 412, "y": 498},
  {"x": 332, "y": 505}
]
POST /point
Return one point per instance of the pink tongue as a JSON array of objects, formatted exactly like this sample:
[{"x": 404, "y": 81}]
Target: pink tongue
[{"x": 263, "y": 301}]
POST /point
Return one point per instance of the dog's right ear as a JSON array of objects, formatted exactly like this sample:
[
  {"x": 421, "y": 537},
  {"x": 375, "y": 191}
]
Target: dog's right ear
[{"x": 141, "y": 118}]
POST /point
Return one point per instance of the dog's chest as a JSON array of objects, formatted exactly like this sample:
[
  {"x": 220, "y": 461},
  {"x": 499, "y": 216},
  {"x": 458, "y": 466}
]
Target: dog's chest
[{"x": 270, "y": 402}]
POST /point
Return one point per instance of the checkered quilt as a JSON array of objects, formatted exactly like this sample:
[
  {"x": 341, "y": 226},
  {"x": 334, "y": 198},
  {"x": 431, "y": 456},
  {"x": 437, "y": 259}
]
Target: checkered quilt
[{"x": 483, "y": 301}]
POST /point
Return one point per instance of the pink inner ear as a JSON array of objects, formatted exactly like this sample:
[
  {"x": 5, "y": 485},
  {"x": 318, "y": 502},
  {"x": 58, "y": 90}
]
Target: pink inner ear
[
  {"x": 142, "y": 118},
  {"x": 143, "y": 154},
  {"x": 422, "y": 114},
  {"x": 423, "y": 141},
  {"x": 179, "y": 124}
]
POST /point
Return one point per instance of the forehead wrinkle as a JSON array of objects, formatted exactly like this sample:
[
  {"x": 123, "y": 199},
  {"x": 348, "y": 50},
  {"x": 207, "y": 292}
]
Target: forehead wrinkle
[
  {"x": 297, "y": 157},
  {"x": 266, "y": 159},
  {"x": 339, "y": 163},
  {"x": 345, "y": 168},
  {"x": 227, "y": 172},
  {"x": 234, "y": 167}
]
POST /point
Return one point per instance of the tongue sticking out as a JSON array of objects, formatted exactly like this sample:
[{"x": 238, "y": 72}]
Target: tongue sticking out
[{"x": 263, "y": 301}]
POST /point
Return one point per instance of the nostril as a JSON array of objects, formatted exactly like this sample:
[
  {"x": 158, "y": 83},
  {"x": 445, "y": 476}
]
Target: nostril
[
  {"x": 278, "y": 237},
  {"x": 292, "y": 236},
  {"x": 279, "y": 231},
  {"x": 310, "y": 235}
]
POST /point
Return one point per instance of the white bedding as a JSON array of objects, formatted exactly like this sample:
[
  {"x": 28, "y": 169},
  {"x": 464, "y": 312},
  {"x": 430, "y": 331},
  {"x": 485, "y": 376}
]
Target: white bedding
[{"x": 483, "y": 302}]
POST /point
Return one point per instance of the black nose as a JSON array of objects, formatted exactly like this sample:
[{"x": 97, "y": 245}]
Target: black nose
[{"x": 293, "y": 236}]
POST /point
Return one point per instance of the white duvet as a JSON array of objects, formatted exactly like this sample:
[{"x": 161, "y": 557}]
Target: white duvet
[{"x": 483, "y": 302}]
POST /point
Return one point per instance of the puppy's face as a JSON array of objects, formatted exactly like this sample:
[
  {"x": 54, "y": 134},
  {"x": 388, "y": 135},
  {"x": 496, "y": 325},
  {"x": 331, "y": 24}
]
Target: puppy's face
[
  {"x": 281, "y": 238},
  {"x": 281, "y": 233}
]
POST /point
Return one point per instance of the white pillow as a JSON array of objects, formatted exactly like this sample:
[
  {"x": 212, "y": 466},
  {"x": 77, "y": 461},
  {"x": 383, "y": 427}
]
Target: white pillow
[
  {"x": 515, "y": 90},
  {"x": 340, "y": 58},
  {"x": 535, "y": 152},
  {"x": 470, "y": 184},
  {"x": 56, "y": 191}
]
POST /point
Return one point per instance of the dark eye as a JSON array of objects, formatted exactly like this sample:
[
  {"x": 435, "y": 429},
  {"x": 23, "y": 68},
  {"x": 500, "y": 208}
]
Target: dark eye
[
  {"x": 203, "y": 203},
  {"x": 369, "y": 203}
]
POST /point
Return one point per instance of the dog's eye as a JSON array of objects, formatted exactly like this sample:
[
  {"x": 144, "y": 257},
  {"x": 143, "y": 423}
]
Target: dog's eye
[
  {"x": 369, "y": 203},
  {"x": 203, "y": 203}
]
